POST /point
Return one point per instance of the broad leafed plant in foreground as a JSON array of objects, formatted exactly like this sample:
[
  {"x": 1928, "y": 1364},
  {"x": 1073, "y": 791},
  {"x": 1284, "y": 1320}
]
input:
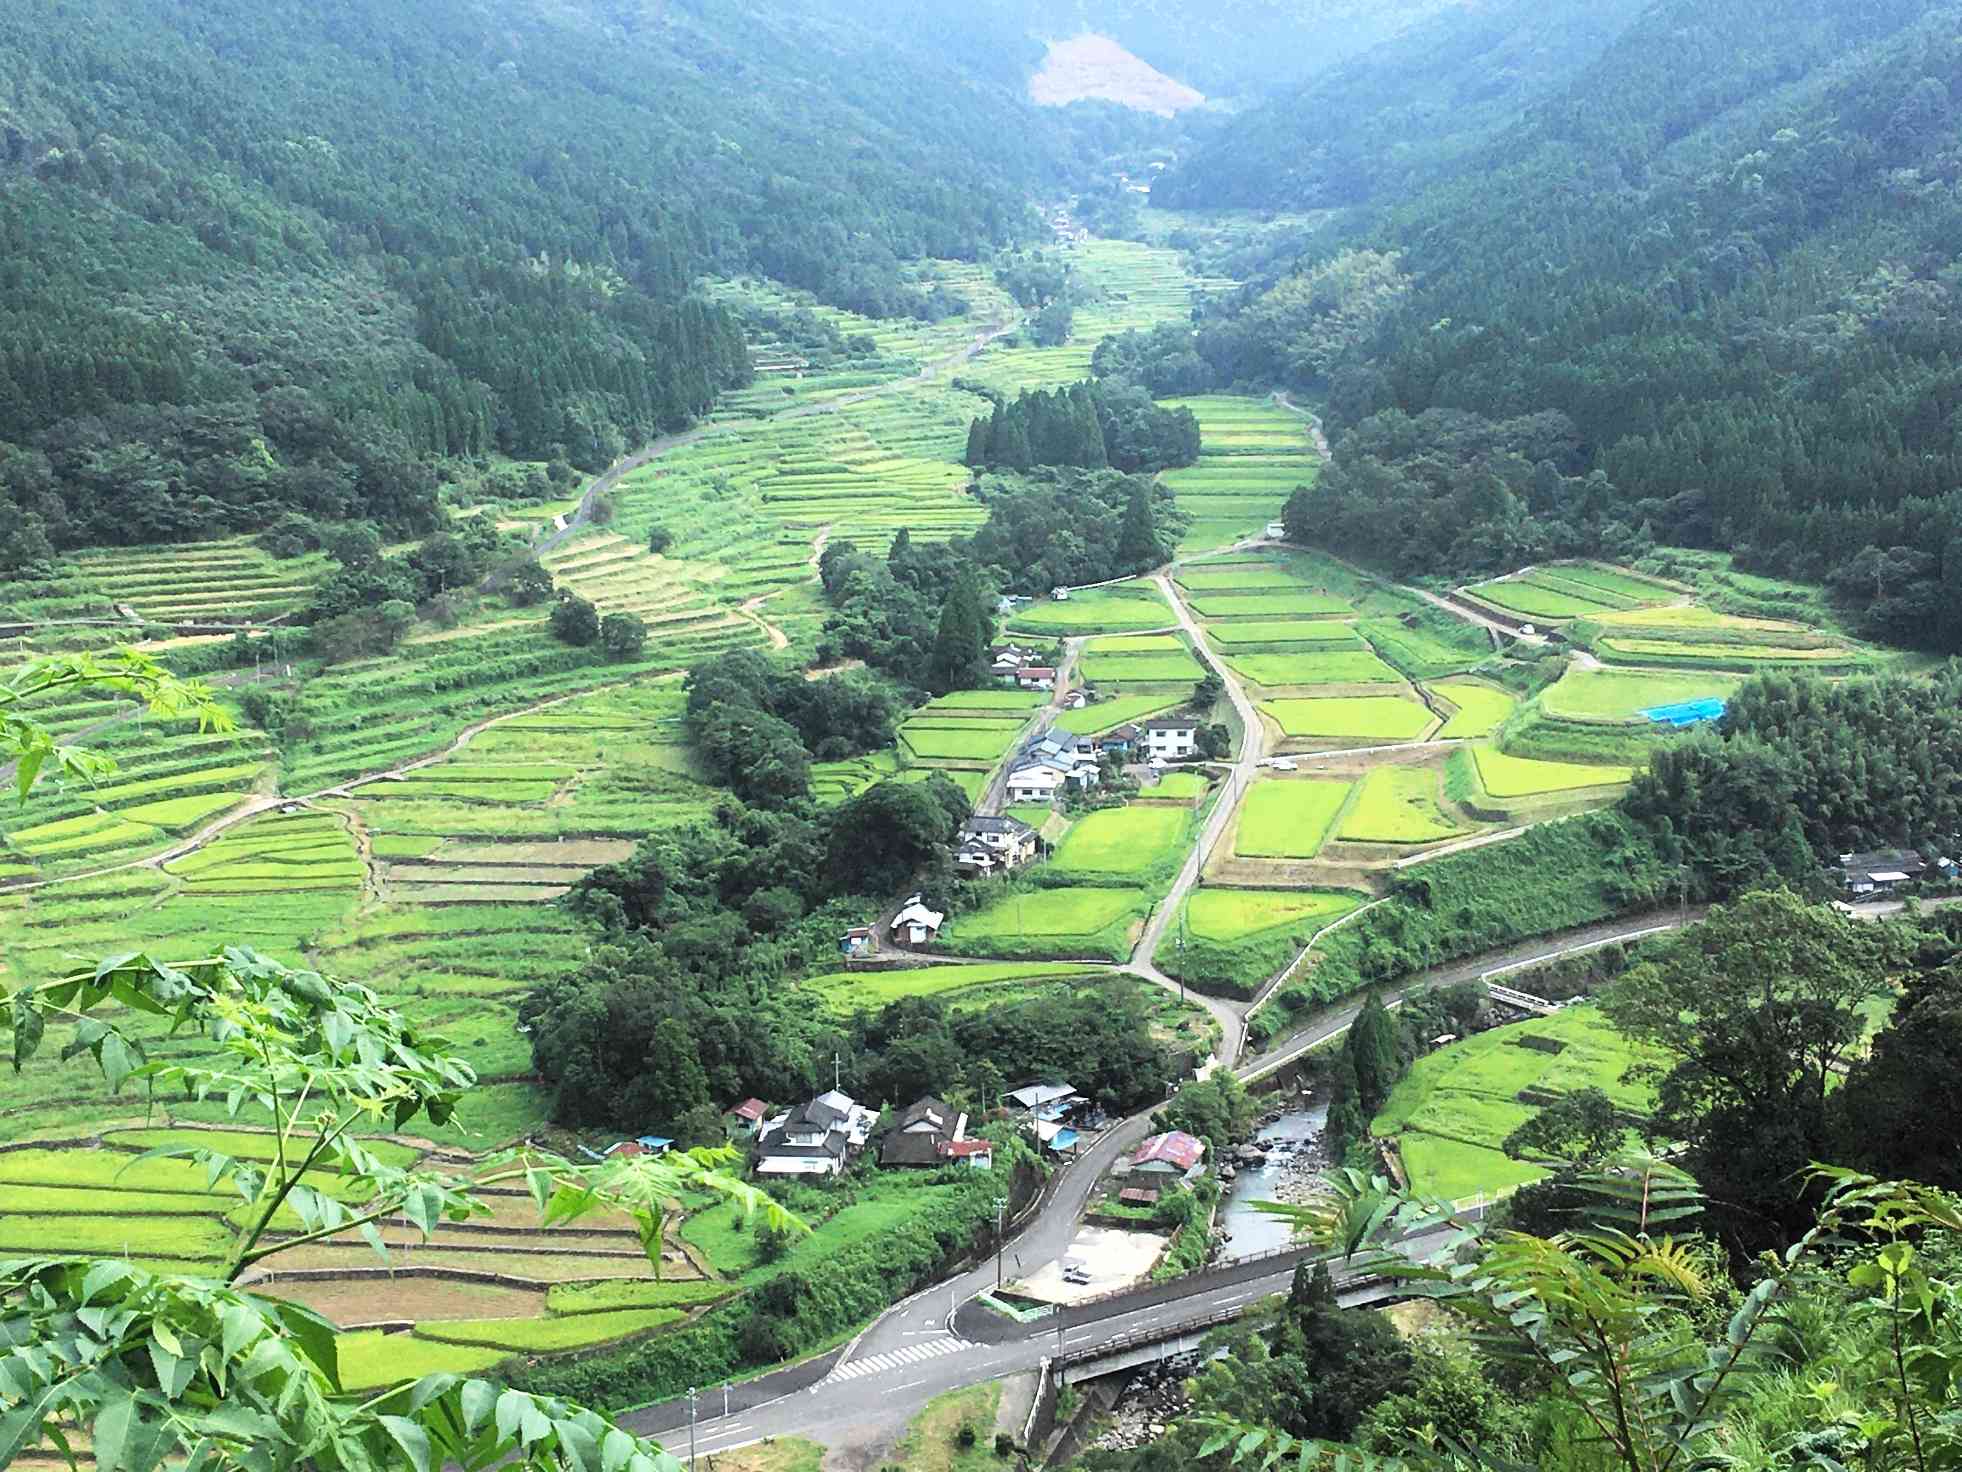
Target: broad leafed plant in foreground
[{"x": 149, "y": 1366}]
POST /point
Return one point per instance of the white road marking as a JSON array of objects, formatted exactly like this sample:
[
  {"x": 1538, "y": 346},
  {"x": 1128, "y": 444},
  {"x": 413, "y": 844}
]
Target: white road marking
[{"x": 893, "y": 1359}]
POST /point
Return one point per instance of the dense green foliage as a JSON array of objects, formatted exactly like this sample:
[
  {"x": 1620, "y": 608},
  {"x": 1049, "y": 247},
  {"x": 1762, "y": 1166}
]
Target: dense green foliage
[
  {"x": 1398, "y": 115},
  {"x": 1065, "y": 528},
  {"x": 758, "y": 727},
  {"x": 262, "y": 257},
  {"x": 1552, "y": 877},
  {"x": 891, "y": 613},
  {"x": 1802, "y": 769},
  {"x": 1726, "y": 253},
  {"x": 1089, "y": 425}
]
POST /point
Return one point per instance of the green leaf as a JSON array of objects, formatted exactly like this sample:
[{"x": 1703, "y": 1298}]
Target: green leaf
[
  {"x": 105, "y": 1274},
  {"x": 413, "y": 1440},
  {"x": 511, "y": 1408},
  {"x": 111, "y": 1433},
  {"x": 116, "y": 1060},
  {"x": 477, "y": 1400},
  {"x": 173, "y": 1370},
  {"x": 316, "y": 1337}
]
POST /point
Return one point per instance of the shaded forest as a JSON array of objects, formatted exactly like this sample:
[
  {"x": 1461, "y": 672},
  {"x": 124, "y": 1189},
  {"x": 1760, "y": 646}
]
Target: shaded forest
[
  {"x": 1726, "y": 255},
  {"x": 269, "y": 257}
]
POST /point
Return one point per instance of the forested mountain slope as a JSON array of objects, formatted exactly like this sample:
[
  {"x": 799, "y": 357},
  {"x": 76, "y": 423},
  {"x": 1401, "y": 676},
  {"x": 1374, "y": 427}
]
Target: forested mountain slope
[
  {"x": 1727, "y": 256},
  {"x": 277, "y": 254},
  {"x": 1399, "y": 112}
]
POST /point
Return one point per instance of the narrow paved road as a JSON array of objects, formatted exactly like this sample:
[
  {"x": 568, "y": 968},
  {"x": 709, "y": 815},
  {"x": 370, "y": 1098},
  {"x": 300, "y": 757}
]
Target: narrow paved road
[{"x": 1230, "y": 1016}]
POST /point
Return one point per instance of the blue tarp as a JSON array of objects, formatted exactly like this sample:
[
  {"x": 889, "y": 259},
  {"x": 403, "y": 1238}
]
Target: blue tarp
[
  {"x": 1688, "y": 712},
  {"x": 1065, "y": 1140}
]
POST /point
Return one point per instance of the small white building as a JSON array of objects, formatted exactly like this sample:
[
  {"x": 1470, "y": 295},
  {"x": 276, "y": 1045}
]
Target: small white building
[
  {"x": 915, "y": 924},
  {"x": 1276, "y": 530},
  {"x": 815, "y": 1139},
  {"x": 1171, "y": 740}
]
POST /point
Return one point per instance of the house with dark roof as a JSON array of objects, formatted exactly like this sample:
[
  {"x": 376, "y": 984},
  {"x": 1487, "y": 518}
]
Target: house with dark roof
[
  {"x": 1880, "y": 872},
  {"x": 919, "y": 1135},
  {"x": 814, "y": 1139},
  {"x": 989, "y": 845},
  {"x": 1122, "y": 741}
]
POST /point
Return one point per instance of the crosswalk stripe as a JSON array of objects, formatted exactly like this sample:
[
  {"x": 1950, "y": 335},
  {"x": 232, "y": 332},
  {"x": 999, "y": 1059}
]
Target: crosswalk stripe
[{"x": 893, "y": 1359}]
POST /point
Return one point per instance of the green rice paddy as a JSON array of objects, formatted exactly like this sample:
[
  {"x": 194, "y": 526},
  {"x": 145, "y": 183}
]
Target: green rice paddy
[
  {"x": 1288, "y": 818},
  {"x": 1511, "y": 776},
  {"x": 1125, "y": 843},
  {"x": 1115, "y": 610},
  {"x": 1398, "y": 805},
  {"x": 1068, "y": 924},
  {"x": 1481, "y": 708},
  {"x": 1621, "y": 695},
  {"x": 1453, "y": 1110},
  {"x": 1351, "y": 717}
]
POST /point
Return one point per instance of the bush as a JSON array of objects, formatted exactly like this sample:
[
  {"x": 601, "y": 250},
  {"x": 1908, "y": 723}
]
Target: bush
[
  {"x": 659, "y": 539},
  {"x": 967, "y": 1436},
  {"x": 622, "y": 635},
  {"x": 575, "y": 621},
  {"x": 1004, "y": 1445}
]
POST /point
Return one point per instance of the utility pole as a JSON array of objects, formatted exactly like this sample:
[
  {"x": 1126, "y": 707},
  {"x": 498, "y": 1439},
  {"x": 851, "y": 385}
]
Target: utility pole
[
  {"x": 692, "y": 1395},
  {"x": 1001, "y": 1227},
  {"x": 837, "y": 1074}
]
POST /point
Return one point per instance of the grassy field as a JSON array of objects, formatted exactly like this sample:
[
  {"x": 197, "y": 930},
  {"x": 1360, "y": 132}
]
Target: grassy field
[
  {"x": 1111, "y": 662},
  {"x": 1481, "y": 708},
  {"x": 1622, "y": 695},
  {"x": 1125, "y": 843},
  {"x": 1351, "y": 717},
  {"x": 1124, "y": 608},
  {"x": 1230, "y": 941},
  {"x": 1288, "y": 818},
  {"x": 1253, "y": 456},
  {"x": 1453, "y": 1110},
  {"x": 1095, "y": 924},
  {"x": 982, "y": 741},
  {"x": 1505, "y": 776},
  {"x": 1340, "y": 667},
  {"x": 847, "y": 992},
  {"x": 1398, "y": 805},
  {"x": 1107, "y": 715}
]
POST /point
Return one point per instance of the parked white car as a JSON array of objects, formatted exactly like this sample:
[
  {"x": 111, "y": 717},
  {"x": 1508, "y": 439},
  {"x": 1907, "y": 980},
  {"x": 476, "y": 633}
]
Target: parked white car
[{"x": 1284, "y": 764}]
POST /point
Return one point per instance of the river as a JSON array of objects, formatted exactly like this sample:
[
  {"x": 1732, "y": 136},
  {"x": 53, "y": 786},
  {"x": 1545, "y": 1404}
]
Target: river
[{"x": 1286, "y": 1141}]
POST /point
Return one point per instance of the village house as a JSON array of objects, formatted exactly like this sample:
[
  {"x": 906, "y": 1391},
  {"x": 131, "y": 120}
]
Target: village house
[
  {"x": 1064, "y": 748},
  {"x": 1045, "y": 1101},
  {"x": 640, "y": 1145},
  {"x": 1172, "y": 1154},
  {"x": 1008, "y": 660},
  {"x": 1171, "y": 739},
  {"x": 1880, "y": 872},
  {"x": 858, "y": 941},
  {"x": 987, "y": 846},
  {"x": 1041, "y": 781},
  {"x": 1036, "y": 677},
  {"x": 814, "y": 1139},
  {"x": 1121, "y": 742},
  {"x": 922, "y": 1132},
  {"x": 915, "y": 924},
  {"x": 745, "y": 1118}
]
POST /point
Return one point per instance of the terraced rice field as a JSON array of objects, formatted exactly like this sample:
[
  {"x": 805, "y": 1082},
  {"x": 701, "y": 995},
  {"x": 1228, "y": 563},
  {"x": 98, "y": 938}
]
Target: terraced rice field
[
  {"x": 1288, "y": 818},
  {"x": 1253, "y": 456},
  {"x": 1561, "y": 591},
  {"x": 1505, "y": 776},
  {"x": 1622, "y": 695},
  {"x": 1398, "y": 805},
  {"x": 232, "y": 582},
  {"x": 1480, "y": 709},
  {"x": 849, "y": 992},
  {"x": 1118, "y": 662},
  {"x": 1122, "y": 608},
  {"x": 1293, "y": 671},
  {"x": 1124, "y": 843},
  {"x": 1453, "y": 1110},
  {"x": 169, "y": 780},
  {"x": 1068, "y": 924},
  {"x": 1315, "y": 636},
  {"x": 1230, "y": 915},
  {"x": 1221, "y": 609},
  {"x": 1107, "y": 715},
  {"x": 1351, "y": 717}
]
